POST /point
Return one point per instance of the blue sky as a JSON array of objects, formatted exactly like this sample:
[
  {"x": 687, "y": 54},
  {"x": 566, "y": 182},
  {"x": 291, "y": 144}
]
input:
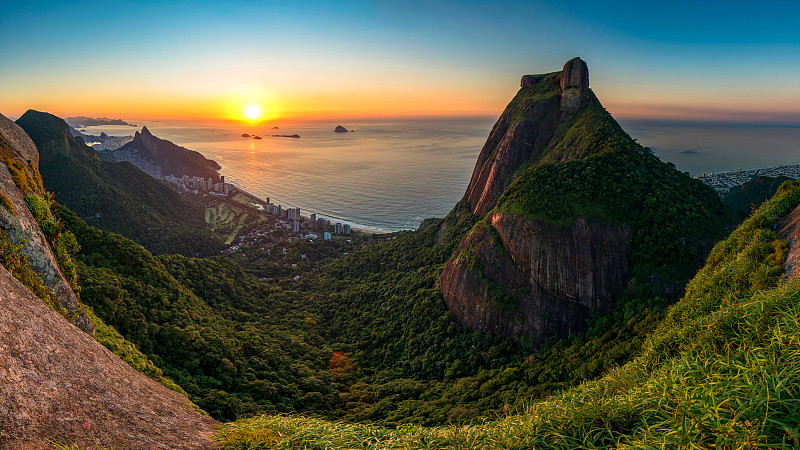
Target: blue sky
[{"x": 695, "y": 60}]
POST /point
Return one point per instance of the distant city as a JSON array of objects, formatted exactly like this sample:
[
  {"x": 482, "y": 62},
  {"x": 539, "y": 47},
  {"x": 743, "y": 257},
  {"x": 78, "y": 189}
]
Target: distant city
[
  {"x": 294, "y": 220},
  {"x": 722, "y": 182}
]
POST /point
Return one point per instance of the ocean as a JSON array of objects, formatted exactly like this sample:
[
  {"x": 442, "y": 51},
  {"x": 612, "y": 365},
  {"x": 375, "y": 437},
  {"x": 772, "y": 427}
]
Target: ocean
[{"x": 391, "y": 174}]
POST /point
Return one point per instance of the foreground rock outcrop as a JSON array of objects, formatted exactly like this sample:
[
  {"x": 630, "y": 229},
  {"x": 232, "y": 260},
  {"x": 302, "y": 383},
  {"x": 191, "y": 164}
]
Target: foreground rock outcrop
[
  {"x": 58, "y": 385},
  {"x": 20, "y": 154}
]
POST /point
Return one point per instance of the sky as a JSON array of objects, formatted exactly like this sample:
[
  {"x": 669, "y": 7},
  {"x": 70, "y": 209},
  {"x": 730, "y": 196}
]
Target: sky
[{"x": 717, "y": 61}]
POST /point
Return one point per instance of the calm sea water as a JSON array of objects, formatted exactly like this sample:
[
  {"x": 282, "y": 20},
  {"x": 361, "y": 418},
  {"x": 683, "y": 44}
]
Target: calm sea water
[
  {"x": 715, "y": 147},
  {"x": 392, "y": 174},
  {"x": 387, "y": 175}
]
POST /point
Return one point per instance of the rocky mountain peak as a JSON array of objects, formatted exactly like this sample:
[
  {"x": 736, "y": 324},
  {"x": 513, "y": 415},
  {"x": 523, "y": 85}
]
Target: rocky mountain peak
[
  {"x": 19, "y": 140},
  {"x": 574, "y": 85},
  {"x": 159, "y": 157},
  {"x": 527, "y": 130},
  {"x": 551, "y": 249}
]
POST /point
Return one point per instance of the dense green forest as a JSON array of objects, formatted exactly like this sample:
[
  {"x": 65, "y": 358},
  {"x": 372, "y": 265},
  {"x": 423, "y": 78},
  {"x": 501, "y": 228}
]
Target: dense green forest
[
  {"x": 719, "y": 370},
  {"x": 749, "y": 196},
  {"x": 363, "y": 336}
]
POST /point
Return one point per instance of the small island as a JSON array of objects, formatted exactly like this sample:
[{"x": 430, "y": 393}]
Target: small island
[
  {"x": 256, "y": 137},
  {"x": 245, "y": 135},
  {"x": 340, "y": 129},
  {"x": 296, "y": 136}
]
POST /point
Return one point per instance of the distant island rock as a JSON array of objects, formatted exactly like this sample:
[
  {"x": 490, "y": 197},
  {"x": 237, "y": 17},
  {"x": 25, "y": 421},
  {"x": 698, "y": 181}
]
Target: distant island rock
[
  {"x": 257, "y": 137},
  {"x": 83, "y": 121},
  {"x": 275, "y": 128},
  {"x": 296, "y": 136},
  {"x": 340, "y": 129},
  {"x": 245, "y": 135}
]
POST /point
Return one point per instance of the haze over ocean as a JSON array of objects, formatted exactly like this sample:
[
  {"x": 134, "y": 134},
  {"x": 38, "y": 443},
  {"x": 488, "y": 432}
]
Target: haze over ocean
[{"x": 390, "y": 174}]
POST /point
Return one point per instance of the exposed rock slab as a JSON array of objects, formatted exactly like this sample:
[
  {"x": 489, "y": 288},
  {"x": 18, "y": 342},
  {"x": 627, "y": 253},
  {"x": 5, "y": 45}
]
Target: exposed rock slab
[
  {"x": 790, "y": 230},
  {"x": 19, "y": 139},
  {"x": 57, "y": 384},
  {"x": 22, "y": 228},
  {"x": 574, "y": 86},
  {"x": 522, "y": 133},
  {"x": 528, "y": 279}
]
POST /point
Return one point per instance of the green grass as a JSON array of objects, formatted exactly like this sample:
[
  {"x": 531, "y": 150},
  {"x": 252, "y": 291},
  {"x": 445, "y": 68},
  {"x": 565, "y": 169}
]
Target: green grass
[
  {"x": 6, "y": 203},
  {"x": 721, "y": 371}
]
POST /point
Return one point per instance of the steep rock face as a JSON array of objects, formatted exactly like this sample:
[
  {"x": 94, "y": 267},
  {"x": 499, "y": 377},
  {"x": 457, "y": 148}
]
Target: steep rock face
[
  {"x": 571, "y": 212},
  {"x": 528, "y": 279},
  {"x": 574, "y": 86},
  {"x": 22, "y": 228},
  {"x": 58, "y": 385},
  {"x": 159, "y": 157},
  {"x": 522, "y": 133},
  {"x": 790, "y": 231},
  {"x": 18, "y": 139},
  {"x": 586, "y": 262},
  {"x": 526, "y": 129}
]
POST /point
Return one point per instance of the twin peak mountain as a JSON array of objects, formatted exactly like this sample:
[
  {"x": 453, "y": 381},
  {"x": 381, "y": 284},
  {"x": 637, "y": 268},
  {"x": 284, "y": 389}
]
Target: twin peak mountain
[
  {"x": 159, "y": 157},
  {"x": 571, "y": 217}
]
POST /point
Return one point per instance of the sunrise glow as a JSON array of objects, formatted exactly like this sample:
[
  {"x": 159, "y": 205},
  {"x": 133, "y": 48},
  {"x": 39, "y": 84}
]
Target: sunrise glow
[
  {"x": 252, "y": 113},
  {"x": 250, "y": 73}
]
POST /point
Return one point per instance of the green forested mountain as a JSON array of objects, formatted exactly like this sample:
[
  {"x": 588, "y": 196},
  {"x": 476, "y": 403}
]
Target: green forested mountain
[
  {"x": 748, "y": 196},
  {"x": 573, "y": 218},
  {"x": 116, "y": 196}
]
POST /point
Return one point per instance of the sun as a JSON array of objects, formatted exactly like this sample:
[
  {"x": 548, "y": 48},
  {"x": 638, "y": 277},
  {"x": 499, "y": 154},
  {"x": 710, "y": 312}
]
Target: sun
[{"x": 252, "y": 112}]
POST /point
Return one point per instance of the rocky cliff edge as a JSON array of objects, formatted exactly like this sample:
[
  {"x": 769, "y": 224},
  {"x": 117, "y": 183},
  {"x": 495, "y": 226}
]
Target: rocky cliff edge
[{"x": 19, "y": 155}]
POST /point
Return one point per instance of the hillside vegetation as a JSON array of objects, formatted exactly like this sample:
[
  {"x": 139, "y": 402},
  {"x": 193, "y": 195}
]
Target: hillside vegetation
[
  {"x": 363, "y": 337},
  {"x": 116, "y": 196},
  {"x": 618, "y": 180},
  {"x": 748, "y": 196},
  {"x": 721, "y": 370}
]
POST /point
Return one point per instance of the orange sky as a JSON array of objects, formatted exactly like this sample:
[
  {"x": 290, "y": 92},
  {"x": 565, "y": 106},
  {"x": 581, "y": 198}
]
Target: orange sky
[{"x": 160, "y": 60}]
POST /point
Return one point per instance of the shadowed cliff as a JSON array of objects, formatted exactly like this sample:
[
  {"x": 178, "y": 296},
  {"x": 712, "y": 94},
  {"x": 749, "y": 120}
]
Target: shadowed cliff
[
  {"x": 573, "y": 215},
  {"x": 158, "y": 157}
]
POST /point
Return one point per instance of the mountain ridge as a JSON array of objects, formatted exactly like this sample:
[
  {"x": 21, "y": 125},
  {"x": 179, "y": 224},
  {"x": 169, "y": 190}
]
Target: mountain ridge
[
  {"x": 159, "y": 157},
  {"x": 116, "y": 196}
]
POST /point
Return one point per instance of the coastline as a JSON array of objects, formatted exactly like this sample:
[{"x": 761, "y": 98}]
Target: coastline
[
  {"x": 371, "y": 230},
  {"x": 258, "y": 201},
  {"x": 722, "y": 182}
]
